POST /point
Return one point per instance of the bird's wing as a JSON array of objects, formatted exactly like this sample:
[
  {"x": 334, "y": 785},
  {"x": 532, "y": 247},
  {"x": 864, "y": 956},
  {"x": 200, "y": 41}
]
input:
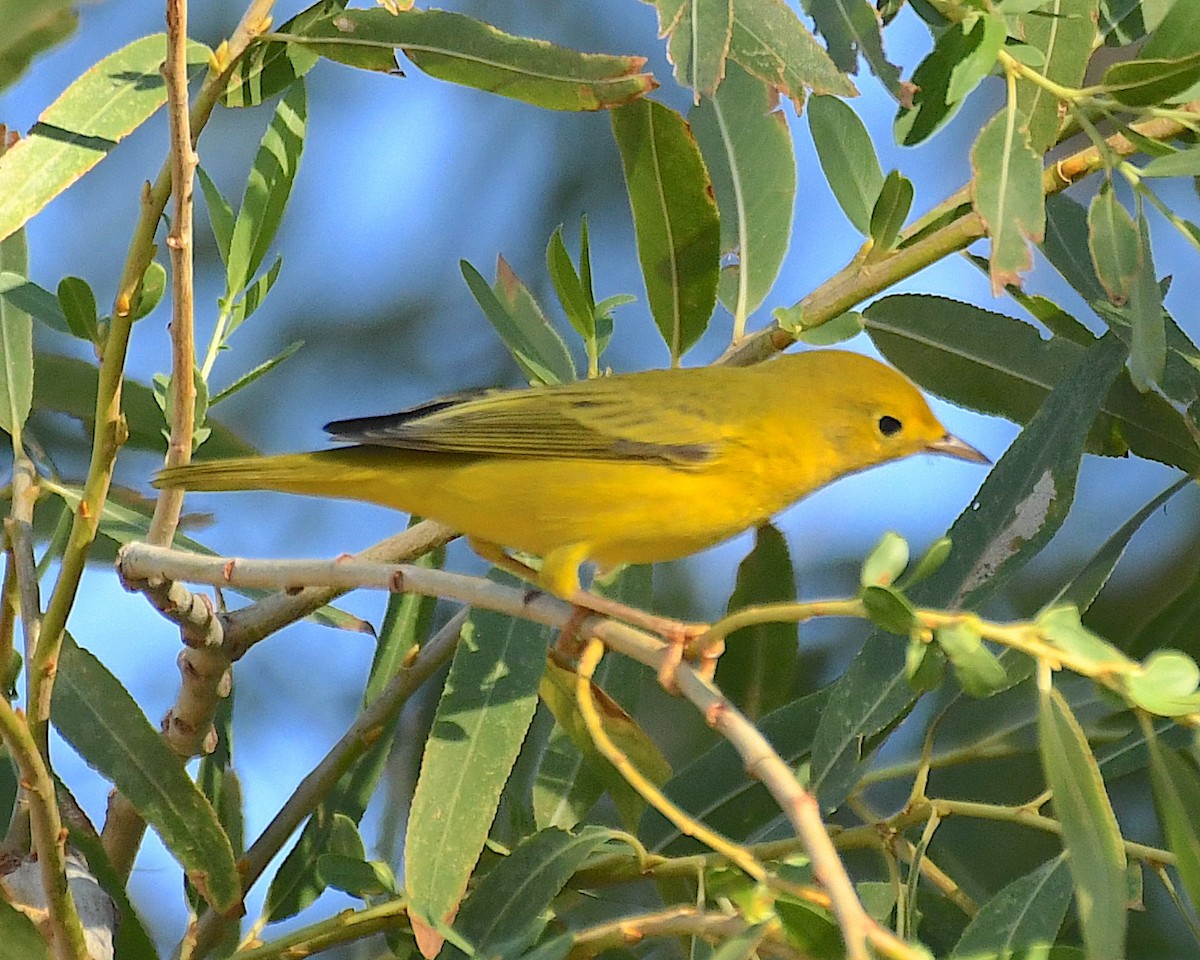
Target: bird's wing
[{"x": 586, "y": 421}]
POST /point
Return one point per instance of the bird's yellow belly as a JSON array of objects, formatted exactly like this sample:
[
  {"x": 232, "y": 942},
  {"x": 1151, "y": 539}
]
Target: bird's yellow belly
[{"x": 625, "y": 513}]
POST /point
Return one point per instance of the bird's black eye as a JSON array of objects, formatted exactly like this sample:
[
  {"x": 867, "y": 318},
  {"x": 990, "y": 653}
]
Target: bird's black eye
[{"x": 889, "y": 426}]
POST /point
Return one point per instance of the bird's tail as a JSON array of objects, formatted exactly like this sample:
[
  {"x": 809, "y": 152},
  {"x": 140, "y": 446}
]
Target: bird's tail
[{"x": 292, "y": 473}]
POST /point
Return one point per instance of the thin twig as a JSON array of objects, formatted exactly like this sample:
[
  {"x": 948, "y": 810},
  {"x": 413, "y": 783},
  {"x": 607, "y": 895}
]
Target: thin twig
[
  {"x": 183, "y": 163},
  {"x": 109, "y": 430}
]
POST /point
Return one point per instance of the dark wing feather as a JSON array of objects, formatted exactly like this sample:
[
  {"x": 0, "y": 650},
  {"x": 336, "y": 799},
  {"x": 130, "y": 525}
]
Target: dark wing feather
[{"x": 586, "y": 421}]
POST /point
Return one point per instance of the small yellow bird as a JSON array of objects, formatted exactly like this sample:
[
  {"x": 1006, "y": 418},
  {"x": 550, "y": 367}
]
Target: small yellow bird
[{"x": 632, "y": 468}]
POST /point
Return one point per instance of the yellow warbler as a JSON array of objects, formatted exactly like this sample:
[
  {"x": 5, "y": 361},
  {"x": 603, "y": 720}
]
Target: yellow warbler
[{"x": 632, "y": 468}]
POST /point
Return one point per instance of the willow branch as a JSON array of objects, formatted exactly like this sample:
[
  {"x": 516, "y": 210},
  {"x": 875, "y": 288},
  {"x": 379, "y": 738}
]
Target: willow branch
[
  {"x": 952, "y": 226},
  {"x": 183, "y": 162},
  {"x": 109, "y": 431}
]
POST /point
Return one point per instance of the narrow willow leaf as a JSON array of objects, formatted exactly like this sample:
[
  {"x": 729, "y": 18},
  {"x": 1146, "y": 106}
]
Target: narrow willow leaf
[
  {"x": 1020, "y": 506},
  {"x": 1024, "y": 915},
  {"x": 534, "y": 344},
  {"x": 481, "y": 720},
  {"x": 16, "y": 343},
  {"x": 985, "y": 37},
  {"x": 20, "y": 937},
  {"x": 931, "y": 107},
  {"x": 1148, "y": 347},
  {"x": 1062, "y": 30},
  {"x": 847, "y": 157},
  {"x": 749, "y": 154},
  {"x": 255, "y": 294},
  {"x": 772, "y": 43},
  {"x": 1176, "y": 35},
  {"x": 575, "y": 297},
  {"x": 31, "y": 27},
  {"x": 267, "y": 190},
  {"x": 1146, "y": 83},
  {"x": 454, "y": 47},
  {"x": 999, "y": 365},
  {"x": 96, "y": 715},
  {"x": 851, "y": 29},
  {"x": 1066, "y": 245},
  {"x": 1006, "y": 190},
  {"x": 698, "y": 43},
  {"x": 38, "y": 302},
  {"x": 1182, "y": 163},
  {"x": 255, "y": 373},
  {"x": 675, "y": 218},
  {"x": 1176, "y": 785},
  {"x": 1091, "y": 835},
  {"x": 759, "y": 664},
  {"x": 1173, "y": 625},
  {"x": 1114, "y": 244},
  {"x": 890, "y": 210},
  {"x": 558, "y": 693},
  {"x": 270, "y": 67},
  {"x": 511, "y": 906},
  {"x": 83, "y": 125},
  {"x": 1086, "y": 585}
]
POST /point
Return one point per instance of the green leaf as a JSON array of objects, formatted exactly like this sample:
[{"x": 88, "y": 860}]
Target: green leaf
[
  {"x": 1062, "y": 30},
  {"x": 20, "y": 938},
  {"x": 837, "y": 330},
  {"x": 1148, "y": 348},
  {"x": 510, "y": 907},
  {"x": 851, "y": 29},
  {"x": 931, "y": 107},
  {"x": 931, "y": 560},
  {"x": 559, "y": 694},
  {"x": 1067, "y": 245},
  {"x": 254, "y": 374},
  {"x": 150, "y": 293},
  {"x": 675, "y": 218},
  {"x": 1167, "y": 684},
  {"x": 454, "y": 47},
  {"x": 1176, "y": 35},
  {"x": 31, "y": 27},
  {"x": 83, "y": 125},
  {"x": 269, "y": 67},
  {"x": 698, "y": 42},
  {"x": 1006, "y": 191},
  {"x": 847, "y": 157},
  {"x": 1176, "y": 786},
  {"x": 748, "y": 150},
  {"x": 1091, "y": 835},
  {"x": 1061, "y": 627},
  {"x": 1181, "y": 163},
  {"x": 220, "y": 214},
  {"x": 985, "y": 38},
  {"x": 1023, "y": 915},
  {"x": 886, "y": 562},
  {"x": 889, "y": 610},
  {"x": 1114, "y": 244},
  {"x": 890, "y": 210},
  {"x": 534, "y": 344},
  {"x": 575, "y": 298},
  {"x": 252, "y": 299},
  {"x": 267, "y": 190},
  {"x": 772, "y": 43},
  {"x": 999, "y": 365},
  {"x": 79, "y": 308},
  {"x": 1086, "y": 585},
  {"x": 16, "y": 343},
  {"x": 23, "y": 294},
  {"x": 1150, "y": 82},
  {"x": 978, "y": 671},
  {"x": 481, "y": 719},
  {"x": 359, "y": 878},
  {"x": 759, "y": 664},
  {"x": 96, "y": 715}
]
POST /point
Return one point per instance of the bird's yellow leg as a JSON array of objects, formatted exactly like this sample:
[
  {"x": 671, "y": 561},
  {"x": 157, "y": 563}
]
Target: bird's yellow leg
[{"x": 560, "y": 576}]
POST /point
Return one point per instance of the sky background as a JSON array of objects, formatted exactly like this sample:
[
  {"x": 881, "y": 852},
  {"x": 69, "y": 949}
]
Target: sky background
[{"x": 400, "y": 179}]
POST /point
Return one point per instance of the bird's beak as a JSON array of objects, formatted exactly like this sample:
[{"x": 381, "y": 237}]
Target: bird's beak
[{"x": 951, "y": 446}]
